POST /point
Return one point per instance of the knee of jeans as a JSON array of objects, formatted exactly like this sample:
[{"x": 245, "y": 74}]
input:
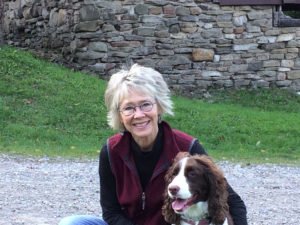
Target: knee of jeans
[
  {"x": 82, "y": 220},
  {"x": 70, "y": 220}
]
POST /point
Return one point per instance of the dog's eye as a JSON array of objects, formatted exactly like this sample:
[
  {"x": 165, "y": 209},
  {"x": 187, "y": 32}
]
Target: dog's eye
[
  {"x": 175, "y": 171},
  {"x": 191, "y": 174}
]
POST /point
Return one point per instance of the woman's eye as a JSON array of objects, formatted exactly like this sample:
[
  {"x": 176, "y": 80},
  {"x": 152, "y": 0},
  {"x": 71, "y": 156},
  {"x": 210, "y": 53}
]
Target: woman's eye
[
  {"x": 146, "y": 104},
  {"x": 128, "y": 108}
]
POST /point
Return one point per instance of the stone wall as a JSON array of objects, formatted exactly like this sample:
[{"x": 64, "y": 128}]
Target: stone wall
[
  {"x": 196, "y": 44},
  {"x": 1, "y": 16}
]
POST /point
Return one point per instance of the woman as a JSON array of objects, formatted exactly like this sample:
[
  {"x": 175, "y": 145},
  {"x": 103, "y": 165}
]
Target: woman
[{"x": 133, "y": 163}]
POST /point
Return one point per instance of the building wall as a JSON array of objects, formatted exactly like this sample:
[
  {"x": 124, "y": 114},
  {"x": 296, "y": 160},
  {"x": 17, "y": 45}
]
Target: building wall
[
  {"x": 196, "y": 44},
  {"x": 1, "y": 16}
]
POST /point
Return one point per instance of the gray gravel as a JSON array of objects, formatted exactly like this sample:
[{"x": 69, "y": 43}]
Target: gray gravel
[{"x": 42, "y": 191}]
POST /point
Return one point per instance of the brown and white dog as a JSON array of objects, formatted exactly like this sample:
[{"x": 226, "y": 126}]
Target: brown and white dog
[{"x": 196, "y": 192}]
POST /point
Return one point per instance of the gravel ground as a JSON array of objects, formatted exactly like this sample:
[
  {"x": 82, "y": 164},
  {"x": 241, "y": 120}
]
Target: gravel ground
[{"x": 42, "y": 191}]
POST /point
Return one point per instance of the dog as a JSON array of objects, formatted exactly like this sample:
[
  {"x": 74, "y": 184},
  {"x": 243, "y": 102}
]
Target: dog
[{"x": 196, "y": 192}]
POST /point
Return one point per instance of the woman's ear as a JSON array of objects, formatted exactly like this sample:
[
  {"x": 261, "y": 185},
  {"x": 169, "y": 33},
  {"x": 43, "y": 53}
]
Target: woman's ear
[
  {"x": 121, "y": 119},
  {"x": 159, "y": 119},
  {"x": 159, "y": 109}
]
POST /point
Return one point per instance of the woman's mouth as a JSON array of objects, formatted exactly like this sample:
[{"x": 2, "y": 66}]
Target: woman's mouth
[{"x": 141, "y": 124}]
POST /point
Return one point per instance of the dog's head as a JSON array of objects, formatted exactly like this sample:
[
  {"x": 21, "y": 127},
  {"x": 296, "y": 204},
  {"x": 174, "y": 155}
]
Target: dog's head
[{"x": 195, "y": 188}]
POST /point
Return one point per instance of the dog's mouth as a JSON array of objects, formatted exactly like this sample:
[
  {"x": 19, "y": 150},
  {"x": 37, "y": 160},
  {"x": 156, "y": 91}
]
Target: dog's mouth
[{"x": 180, "y": 205}]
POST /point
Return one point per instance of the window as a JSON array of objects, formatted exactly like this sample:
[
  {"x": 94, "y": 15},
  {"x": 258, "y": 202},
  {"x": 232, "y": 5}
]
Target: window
[
  {"x": 287, "y": 14},
  {"x": 249, "y": 2}
]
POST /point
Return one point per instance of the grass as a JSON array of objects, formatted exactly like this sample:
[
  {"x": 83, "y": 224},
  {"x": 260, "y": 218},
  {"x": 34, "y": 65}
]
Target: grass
[
  {"x": 236, "y": 132},
  {"x": 46, "y": 109}
]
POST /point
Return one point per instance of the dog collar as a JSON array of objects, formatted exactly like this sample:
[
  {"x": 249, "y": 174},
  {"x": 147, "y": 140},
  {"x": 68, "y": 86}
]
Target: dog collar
[{"x": 192, "y": 222}]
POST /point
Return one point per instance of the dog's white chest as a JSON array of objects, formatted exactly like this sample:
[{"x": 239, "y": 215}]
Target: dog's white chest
[{"x": 200, "y": 222}]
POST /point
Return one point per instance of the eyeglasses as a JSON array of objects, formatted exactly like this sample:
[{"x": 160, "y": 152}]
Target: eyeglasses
[{"x": 144, "y": 107}]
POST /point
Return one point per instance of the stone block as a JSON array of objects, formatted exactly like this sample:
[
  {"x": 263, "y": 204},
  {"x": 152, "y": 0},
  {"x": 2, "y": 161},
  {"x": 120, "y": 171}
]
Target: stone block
[
  {"x": 285, "y": 37},
  {"x": 88, "y": 13},
  {"x": 293, "y": 75},
  {"x": 169, "y": 11},
  {"x": 195, "y": 10},
  {"x": 98, "y": 46},
  {"x": 145, "y": 31},
  {"x": 241, "y": 82},
  {"x": 200, "y": 54},
  {"x": 224, "y": 24},
  {"x": 238, "y": 30},
  {"x": 288, "y": 63},
  {"x": 281, "y": 76},
  {"x": 88, "y": 26},
  {"x": 253, "y": 29},
  {"x": 277, "y": 56},
  {"x": 238, "y": 68},
  {"x": 211, "y": 74},
  {"x": 151, "y": 19},
  {"x": 260, "y": 14},
  {"x": 297, "y": 63},
  {"x": 212, "y": 33},
  {"x": 156, "y": 10},
  {"x": 283, "y": 83},
  {"x": 225, "y": 83},
  {"x": 188, "y": 18},
  {"x": 291, "y": 56},
  {"x": 255, "y": 66},
  {"x": 284, "y": 69},
  {"x": 271, "y": 63},
  {"x": 98, "y": 67},
  {"x": 182, "y": 11},
  {"x": 90, "y": 55},
  {"x": 141, "y": 9},
  {"x": 244, "y": 47},
  {"x": 204, "y": 83},
  {"x": 260, "y": 84},
  {"x": 173, "y": 61}
]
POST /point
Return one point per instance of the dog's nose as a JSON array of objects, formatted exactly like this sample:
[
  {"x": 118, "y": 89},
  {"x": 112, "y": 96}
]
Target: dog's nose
[{"x": 174, "y": 189}]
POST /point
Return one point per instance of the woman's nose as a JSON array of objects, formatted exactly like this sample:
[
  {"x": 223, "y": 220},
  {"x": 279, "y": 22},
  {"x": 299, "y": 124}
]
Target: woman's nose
[{"x": 138, "y": 112}]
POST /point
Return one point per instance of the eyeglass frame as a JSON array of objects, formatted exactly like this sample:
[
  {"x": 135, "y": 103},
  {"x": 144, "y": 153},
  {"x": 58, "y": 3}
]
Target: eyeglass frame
[{"x": 138, "y": 106}]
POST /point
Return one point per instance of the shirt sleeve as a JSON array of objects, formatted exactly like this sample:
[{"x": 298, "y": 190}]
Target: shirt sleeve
[
  {"x": 237, "y": 207},
  {"x": 111, "y": 209},
  {"x": 197, "y": 148}
]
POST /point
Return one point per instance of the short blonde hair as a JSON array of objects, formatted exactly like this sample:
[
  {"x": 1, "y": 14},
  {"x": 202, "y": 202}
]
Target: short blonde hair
[{"x": 138, "y": 78}]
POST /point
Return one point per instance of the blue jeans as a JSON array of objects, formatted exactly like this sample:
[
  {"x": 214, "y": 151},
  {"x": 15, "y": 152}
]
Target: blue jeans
[{"x": 82, "y": 220}]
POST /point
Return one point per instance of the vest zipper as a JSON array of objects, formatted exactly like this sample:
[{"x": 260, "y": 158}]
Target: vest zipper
[{"x": 143, "y": 201}]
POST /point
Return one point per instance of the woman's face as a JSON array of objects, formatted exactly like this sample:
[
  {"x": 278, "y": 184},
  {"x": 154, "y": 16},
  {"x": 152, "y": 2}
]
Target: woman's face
[{"x": 142, "y": 123}]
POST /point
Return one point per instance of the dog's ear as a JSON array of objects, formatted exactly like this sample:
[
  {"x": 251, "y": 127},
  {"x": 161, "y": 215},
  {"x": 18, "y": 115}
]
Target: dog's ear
[
  {"x": 218, "y": 195},
  {"x": 180, "y": 155},
  {"x": 168, "y": 212}
]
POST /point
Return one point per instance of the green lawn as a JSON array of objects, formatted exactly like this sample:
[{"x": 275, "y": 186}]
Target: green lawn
[{"x": 46, "y": 109}]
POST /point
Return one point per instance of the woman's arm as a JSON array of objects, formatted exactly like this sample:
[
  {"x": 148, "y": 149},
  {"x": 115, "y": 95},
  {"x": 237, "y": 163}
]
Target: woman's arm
[
  {"x": 237, "y": 206},
  {"x": 112, "y": 212}
]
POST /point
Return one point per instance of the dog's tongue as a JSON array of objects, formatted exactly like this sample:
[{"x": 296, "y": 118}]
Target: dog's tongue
[{"x": 179, "y": 204}]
